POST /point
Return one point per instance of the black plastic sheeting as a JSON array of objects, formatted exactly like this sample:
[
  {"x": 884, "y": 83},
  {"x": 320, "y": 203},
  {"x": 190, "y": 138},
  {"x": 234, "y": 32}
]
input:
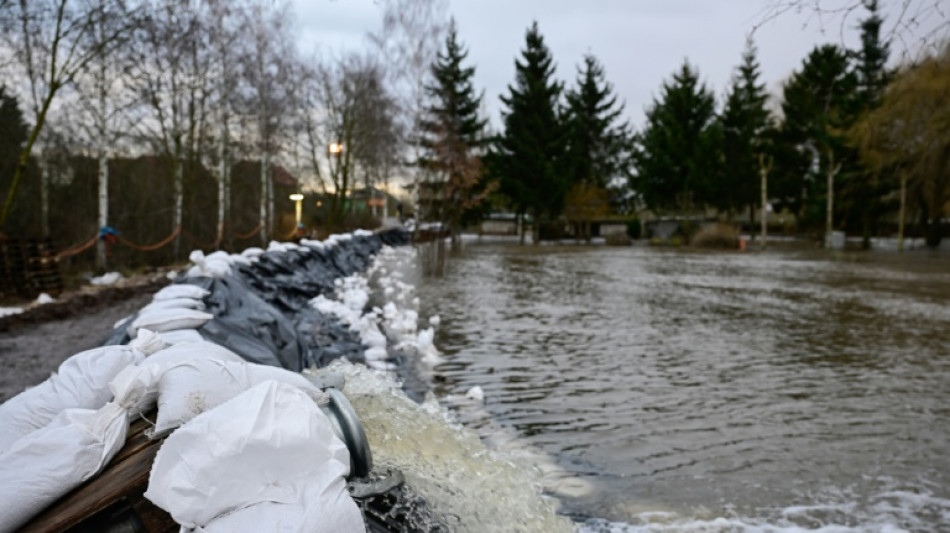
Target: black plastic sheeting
[{"x": 262, "y": 312}]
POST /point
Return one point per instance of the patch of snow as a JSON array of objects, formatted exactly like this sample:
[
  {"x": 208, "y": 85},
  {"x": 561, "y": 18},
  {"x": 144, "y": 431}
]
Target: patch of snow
[
  {"x": 44, "y": 298},
  {"x": 109, "y": 278},
  {"x": 7, "y": 311}
]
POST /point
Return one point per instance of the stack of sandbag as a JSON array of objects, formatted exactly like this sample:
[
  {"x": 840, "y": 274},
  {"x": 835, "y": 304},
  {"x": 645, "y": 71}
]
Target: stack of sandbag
[
  {"x": 79, "y": 429},
  {"x": 82, "y": 381},
  {"x": 176, "y": 312},
  {"x": 265, "y": 460}
]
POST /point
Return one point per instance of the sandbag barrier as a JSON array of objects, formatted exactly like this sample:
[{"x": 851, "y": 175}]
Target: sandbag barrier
[
  {"x": 262, "y": 312},
  {"x": 233, "y": 332},
  {"x": 261, "y": 309}
]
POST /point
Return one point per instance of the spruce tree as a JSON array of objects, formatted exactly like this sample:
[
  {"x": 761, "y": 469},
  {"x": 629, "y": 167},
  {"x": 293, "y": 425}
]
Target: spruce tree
[
  {"x": 818, "y": 108},
  {"x": 598, "y": 140},
  {"x": 453, "y": 135},
  {"x": 745, "y": 124},
  {"x": 863, "y": 190},
  {"x": 676, "y": 154},
  {"x": 529, "y": 156},
  {"x": 598, "y": 147}
]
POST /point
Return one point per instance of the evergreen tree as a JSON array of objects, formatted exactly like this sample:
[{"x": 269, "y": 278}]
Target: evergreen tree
[
  {"x": 818, "y": 107},
  {"x": 598, "y": 141},
  {"x": 676, "y": 155},
  {"x": 746, "y": 125},
  {"x": 453, "y": 136},
  {"x": 13, "y": 135},
  {"x": 598, "y": 145},
  {"x": 529, "y": 156},
  {"x": 863, "y": 190}
]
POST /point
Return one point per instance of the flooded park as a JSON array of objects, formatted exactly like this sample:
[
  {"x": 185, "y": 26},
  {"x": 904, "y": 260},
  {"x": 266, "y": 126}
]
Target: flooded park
[{"x": 667, "y": 389}]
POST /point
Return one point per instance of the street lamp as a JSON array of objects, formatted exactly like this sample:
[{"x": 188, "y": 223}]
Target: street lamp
[
  {"x": 336, "y": 148},
  {"x": 297, "y": 197}
]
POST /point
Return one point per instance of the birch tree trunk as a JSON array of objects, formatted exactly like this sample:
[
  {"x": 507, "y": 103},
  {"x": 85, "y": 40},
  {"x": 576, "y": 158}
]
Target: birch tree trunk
[
  {"x": 102, "y": 141},
  {"x": 222, "y": 179},
  {"x": 179, "y": 202},
  {"x": 101, "y": 259},
  {"x": 265, "y": 166}
]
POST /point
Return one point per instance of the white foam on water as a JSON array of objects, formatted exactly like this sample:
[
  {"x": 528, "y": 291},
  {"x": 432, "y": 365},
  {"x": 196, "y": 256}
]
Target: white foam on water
[
  {"x": 890, "y": 511},
  {"x": 444, "y": 463}
]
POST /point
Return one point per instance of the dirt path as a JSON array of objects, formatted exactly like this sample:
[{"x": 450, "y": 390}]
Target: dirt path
[{"x": 34, "y": 343}]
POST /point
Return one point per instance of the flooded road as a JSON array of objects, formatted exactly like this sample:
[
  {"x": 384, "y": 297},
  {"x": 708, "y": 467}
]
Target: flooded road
[{"x": 691, "y": 390}]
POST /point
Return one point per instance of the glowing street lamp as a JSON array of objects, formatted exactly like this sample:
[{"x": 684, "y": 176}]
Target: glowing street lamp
[
  {"x": 336, "y": 148},
  {"x": 297, "y": 197}
]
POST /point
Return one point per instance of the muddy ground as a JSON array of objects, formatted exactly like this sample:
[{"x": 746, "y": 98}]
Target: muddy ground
[{"x": 35, "y": 342}]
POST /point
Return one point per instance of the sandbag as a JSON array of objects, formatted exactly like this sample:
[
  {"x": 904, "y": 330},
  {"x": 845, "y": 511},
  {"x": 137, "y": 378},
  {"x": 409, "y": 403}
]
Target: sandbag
[
  {"x": 169, "y": 319},
  {"x": 82, "y": 381},
  {"x": 180, "y": 290},
  {"x": 174, "y": 303},
  {"x": 48, "y": 463},
  {"x": 316, "y": 510},
  {"x": 269, "y": 444},
  {"x": 190, "y": 389},
  {"x": 178, "y": 336},
  {"x": 137, "y": 386}
]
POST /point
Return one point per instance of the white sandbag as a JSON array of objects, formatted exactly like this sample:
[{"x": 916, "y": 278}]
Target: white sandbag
[
  {"x": 180, "y": 290},
  {"x": 81, "y": 382},
  {"x": 216, "y": 265},
  {"x": 190, "y": 389},
  {"x": 317, "y": 510},
  {"x": 178, "y": 336},
  {"x": 169, "y": 319},
  {"x": 174, "y": 303},
  {"x": 137, "y": 386},
  {"x": 269, "y": 444},
  {"x": 46, "y": 464}
]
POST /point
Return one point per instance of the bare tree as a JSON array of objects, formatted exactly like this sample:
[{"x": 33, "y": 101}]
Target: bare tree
[
  {"x": 270, "y": 69},
  {"x": 52, "y": 42},
  {"x": 105, "y": 97},
  {"x": 224, "y": 23},
  {"x": 171, "y": 71},
  {"x": 350, "y": 127},
  {"x": 409, "y": 43},
  {"x": 932, "y": 17}
]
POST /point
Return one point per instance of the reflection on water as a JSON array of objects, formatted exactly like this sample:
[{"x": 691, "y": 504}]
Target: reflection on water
[{"x": 798, "y": 389}]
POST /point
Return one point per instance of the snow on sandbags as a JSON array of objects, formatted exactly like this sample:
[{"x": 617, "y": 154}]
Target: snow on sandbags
[
  {"x": 48, "y": 463},
  {"x": 264, "y": 460},
  {"x": 180, "y": 290},
  {"x": 81, "y": 382},
  {"x": 190, "y": 389}
]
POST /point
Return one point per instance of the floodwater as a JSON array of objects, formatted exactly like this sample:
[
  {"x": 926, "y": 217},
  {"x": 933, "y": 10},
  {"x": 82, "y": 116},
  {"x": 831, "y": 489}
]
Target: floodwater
[{"x": 716, "y": 391}]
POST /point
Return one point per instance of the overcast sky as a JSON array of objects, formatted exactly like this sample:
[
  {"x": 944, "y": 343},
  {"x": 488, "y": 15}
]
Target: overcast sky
[{"x": 640, "y": 42}]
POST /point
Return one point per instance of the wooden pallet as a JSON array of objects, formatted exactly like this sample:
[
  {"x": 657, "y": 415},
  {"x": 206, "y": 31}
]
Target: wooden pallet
[{"x": 28, "y": 267}]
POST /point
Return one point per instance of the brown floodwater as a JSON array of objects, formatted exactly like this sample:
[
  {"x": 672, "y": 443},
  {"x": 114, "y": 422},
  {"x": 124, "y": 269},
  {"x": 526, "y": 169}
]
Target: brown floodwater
[{"x": 709, "y": 391}]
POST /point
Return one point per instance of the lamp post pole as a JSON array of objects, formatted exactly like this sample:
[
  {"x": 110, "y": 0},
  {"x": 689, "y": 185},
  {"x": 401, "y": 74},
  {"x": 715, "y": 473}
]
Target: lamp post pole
[{"x": 298, "y": 198}]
